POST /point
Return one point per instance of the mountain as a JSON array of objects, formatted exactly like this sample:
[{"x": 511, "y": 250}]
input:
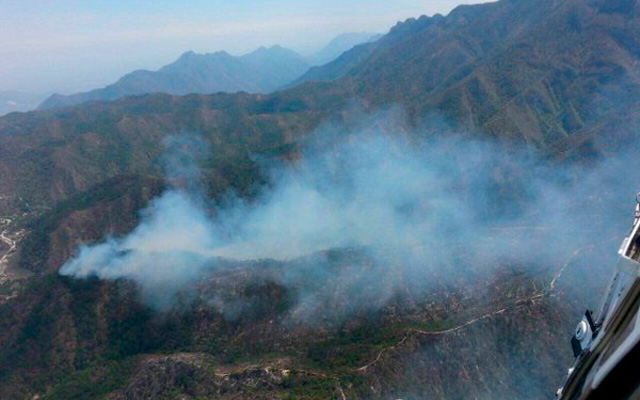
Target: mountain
[
  {"x": 339, "y": 45},
  {"x": 337, "y": 68},
  {"x": 261, "y": 71},
  {"x": 498, "y": 68},
  {"x": 503, "y": 68},
  {"x": 559, "y": 76},
  {"x": 11, "y": 101}
]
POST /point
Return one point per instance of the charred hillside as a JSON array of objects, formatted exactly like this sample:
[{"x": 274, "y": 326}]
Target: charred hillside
[
  {"x": 559, "y": 78},
  {"x": 90, "y": 339}
]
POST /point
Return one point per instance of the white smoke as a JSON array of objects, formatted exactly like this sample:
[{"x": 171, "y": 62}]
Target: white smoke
[{"x": 413, "y": 205}]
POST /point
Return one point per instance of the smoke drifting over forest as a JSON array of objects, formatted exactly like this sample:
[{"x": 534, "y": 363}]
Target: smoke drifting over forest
[{"x": 413, "y": 206}]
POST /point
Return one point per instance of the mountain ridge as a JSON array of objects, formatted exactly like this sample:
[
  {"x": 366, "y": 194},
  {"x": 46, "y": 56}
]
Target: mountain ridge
[
  {"x": 560, "y": 101},
  {"x": 262, "y": 70}
]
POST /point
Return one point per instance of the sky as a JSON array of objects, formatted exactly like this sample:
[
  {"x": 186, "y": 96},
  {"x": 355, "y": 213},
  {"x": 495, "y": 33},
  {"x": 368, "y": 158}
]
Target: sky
[{"x": 66, "y": 46}]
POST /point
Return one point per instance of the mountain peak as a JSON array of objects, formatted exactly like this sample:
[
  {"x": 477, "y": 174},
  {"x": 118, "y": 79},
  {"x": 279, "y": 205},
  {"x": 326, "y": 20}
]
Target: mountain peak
[
  {"x": 275, "y": 49},
  {"x": 262, "y": 71},
  {"x": 192, "y": 55}
]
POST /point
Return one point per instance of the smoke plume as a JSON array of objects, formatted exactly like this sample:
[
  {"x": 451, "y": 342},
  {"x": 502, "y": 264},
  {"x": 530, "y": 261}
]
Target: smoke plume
[{"x": 421, "y": 208}]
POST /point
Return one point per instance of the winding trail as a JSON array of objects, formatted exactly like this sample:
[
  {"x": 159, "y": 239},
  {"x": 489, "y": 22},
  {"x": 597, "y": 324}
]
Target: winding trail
[
  {"x": 574, "y": 256},
  {"x": 413, "y": 331},
  {"x": 7, "y": 240},
  {"x": 519, "y": 303}
]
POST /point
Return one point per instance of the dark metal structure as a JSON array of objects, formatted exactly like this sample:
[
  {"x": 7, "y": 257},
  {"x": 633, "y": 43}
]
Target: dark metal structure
[{"x": 607, "y": 344}]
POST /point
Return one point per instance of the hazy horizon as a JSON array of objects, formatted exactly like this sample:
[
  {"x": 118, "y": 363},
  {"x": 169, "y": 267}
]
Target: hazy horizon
[{"x": 71, "y": 46}]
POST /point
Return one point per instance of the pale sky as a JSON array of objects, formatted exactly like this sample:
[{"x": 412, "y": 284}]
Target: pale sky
[{"x": 72, "y": 45}]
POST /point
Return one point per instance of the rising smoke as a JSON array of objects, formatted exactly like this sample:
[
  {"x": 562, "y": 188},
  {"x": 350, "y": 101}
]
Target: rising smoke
[{"x": 419, "y": 210}]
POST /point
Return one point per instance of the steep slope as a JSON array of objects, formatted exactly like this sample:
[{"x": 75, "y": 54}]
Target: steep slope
[
  {"x": 540, "y": 71},
  {"x": 341, "y": 44},
  {"x": 261, "y": 71},
  {"x": 125, "y": 137},
  {"x": 338, "y": 67},
  {"x": 549, "y": 72},
  {"x": 90, "y": 338}
]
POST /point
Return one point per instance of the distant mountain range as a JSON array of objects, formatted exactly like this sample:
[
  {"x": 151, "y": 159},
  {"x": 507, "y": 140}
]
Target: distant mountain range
[
  {"x": 498, "y": 68},
  {"x": 340, "y": 44},
  {"x": 11, "y": 101},
  {"x": 261, "y": 71}
]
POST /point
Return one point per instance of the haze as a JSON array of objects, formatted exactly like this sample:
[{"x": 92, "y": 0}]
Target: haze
[{"x": 72, "y": 45}]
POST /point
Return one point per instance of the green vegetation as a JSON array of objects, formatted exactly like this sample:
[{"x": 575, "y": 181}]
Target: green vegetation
[
  {"x": 35, "y": 247},
  {"x": 352, "y": 349},
  {"x": 6, "y": 289},
  {"x": 310, "y": 387},
  {"x": 93, "y": 383}
]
